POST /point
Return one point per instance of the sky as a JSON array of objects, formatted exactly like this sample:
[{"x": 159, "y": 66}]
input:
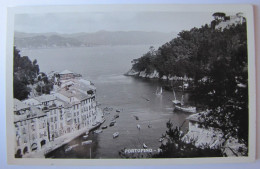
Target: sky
[{"x": 110, "y": 21}]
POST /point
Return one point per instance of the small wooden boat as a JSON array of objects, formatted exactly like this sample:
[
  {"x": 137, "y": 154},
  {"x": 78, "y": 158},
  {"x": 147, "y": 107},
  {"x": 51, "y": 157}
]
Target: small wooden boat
[
  {"x": 138, "y": 126},
  {"x": 98, "y": 131},
  {"x": 161, "y": 139},
  {"x": 71, "y": 147},
  {"x": 136, "y": 117},
  {"x": 116, "y": 134},
  {"x": 104, "y": 127},
  {"x": 144, "y": 145},
  {"x": 113, "y": 121},
  {"x": 116, "y": 116},
  {"x": 86, "y": 142},
  {"x": 85, "y": 136},
  {"x": 180, "y": 106},
  {"x": 159, "y": 91},
  {"x": 117, "y": 110},
  {"x": 175, "y": 101},
  {"x": 111, "y": 124}
]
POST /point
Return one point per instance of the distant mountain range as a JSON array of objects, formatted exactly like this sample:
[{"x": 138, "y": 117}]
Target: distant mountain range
[{"x": 53, "y": 40}]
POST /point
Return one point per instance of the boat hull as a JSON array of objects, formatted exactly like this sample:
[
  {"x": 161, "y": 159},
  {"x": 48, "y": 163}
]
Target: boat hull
[{"x": 186, "y": 109}]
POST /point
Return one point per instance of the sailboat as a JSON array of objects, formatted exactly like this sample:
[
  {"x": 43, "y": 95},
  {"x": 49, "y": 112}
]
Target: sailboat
[
  {"x": 144, "y": 145},
  {"x": 175, "y": 101},
  {"x": 180, "y": 106},
  {"x": 159, "y": 91}
]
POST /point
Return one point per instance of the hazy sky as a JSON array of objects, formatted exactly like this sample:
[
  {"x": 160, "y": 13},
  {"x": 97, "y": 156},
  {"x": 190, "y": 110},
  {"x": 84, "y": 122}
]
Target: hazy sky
[{"x": 110, "y": 21}]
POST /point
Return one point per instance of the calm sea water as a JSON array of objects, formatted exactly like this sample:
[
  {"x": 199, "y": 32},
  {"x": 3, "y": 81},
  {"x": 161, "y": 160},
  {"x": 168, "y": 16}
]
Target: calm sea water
[{"x": 105, "y": 66}]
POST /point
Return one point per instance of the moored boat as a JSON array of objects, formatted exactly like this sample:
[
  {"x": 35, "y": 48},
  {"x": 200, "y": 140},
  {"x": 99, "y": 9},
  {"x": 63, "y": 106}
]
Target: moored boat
[
  {"x": 136, "y": 117},
  {"x": 188, "y": 109},
  {"x": 71, "y": 147},
  {"x": 116, "y": 134},
  {"x": 98, "y": 131},
  {"x": 161, "y": 139},
  {"x": 159, "y": 91},
  {"x": 180, "y": 106},
  {"x": 86, "y": 142},
  {"x": 144, "y": 145},
  {"x": 175, "y": 101},
  {"x": 85, "y": 136},
  {"x": 112, "y": 124}
]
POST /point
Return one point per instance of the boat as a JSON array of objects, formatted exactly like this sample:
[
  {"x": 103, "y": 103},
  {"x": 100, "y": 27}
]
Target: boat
[
  {"x": 117, "y": 110},
  {"x": 113, "y": 121},
  {"x": 116, "y": 134},
  {"x": 98, "y": 131},
  {"x": 136, "y": 117},
  {"x": 159, "y": 91},
  {"x": 102, "y": 121},
  {"x": 86, "y": 142},
  {"x": 182, "y": 107},
  {"x": 71, "y": 147},
  {"x": 149, "y": 125},
  {"x": 189, "y": 109},
  {"x": 116, "y": 116},
  {"x": 85, "y": 136},
  {"x": 112, "y": 124},
  {"x": 175, "y": 101},
  {"x": 161, "y": 139},
  {"x": 144, "y": 145},
  {"x": 104, "y": 127},
  {"x": 138, "y": 126}
]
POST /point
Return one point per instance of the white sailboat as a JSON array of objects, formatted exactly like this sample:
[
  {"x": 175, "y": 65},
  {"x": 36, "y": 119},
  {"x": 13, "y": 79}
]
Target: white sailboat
[
  {"x": 144, "y": 145},
  {"x": 159, "y": 91},
  {"x": 175, "y": 101}
]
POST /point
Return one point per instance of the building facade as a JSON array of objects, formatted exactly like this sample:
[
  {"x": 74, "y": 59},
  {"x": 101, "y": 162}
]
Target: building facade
[{"x": 41, "y": 121}]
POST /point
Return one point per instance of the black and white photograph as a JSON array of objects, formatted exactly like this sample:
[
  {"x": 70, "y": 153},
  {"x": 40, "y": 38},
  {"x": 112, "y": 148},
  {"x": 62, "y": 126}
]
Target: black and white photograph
[{"x": 131, "y": 82}]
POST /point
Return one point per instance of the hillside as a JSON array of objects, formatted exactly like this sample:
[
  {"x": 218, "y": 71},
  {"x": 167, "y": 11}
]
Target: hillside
[
  {"x": 52, "y": 40},
  {"x": 214, "y": 57}
]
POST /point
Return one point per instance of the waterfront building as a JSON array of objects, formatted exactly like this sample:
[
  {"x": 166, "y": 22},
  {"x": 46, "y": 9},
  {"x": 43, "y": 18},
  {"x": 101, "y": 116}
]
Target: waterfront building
[
  {"x": 30, "y": 128},
  {"x": 45, "y": 122},
  {"x": 83, "y": 107}
]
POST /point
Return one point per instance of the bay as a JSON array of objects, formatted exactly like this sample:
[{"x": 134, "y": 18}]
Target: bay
[{"x": 105, "y": 66}]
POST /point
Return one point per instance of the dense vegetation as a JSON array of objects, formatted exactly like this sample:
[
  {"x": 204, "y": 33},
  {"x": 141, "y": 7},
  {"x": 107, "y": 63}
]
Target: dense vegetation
[
  {"x": 27, "y": 73},
  {"x": 217, "y": 61},
  {"x": 177, "y": 148}
]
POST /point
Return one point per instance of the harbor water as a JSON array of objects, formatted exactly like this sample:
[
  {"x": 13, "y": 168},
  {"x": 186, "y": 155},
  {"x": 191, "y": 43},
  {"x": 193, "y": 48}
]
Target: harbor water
[{"x": 132, "y": 97}]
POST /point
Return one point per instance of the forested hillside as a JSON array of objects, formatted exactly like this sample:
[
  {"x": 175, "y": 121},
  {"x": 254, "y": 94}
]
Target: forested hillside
[
  {"x": 27, "y": 77},
  {"x": 215, "y": 57}
]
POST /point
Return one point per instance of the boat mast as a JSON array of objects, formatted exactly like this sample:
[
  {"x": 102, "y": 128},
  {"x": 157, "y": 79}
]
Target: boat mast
[
  {"x": 182, "y": 100},
  {"x": 174, "y": 94}
]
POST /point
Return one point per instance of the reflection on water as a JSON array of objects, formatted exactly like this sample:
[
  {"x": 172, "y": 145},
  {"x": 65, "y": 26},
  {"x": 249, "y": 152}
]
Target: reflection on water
[{"x": 134, "y": 96}]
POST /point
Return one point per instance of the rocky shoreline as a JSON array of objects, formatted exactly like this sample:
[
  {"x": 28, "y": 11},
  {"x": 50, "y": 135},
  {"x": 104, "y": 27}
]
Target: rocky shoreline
[{"x": 155, "y": 75}]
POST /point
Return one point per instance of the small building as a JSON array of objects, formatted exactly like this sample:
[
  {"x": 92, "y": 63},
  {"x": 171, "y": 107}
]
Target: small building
[{"x": 66, "y": 74}]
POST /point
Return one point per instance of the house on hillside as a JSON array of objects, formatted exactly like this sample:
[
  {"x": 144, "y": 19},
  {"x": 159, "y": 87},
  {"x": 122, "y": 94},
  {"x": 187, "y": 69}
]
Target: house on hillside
[{"x": 66, "y": 74}]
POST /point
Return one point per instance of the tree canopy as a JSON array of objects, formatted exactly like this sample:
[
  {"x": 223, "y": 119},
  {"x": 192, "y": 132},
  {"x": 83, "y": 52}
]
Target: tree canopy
[
  {"x": 25, "y": 73},
  {"x": 219, "y": 56}
]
